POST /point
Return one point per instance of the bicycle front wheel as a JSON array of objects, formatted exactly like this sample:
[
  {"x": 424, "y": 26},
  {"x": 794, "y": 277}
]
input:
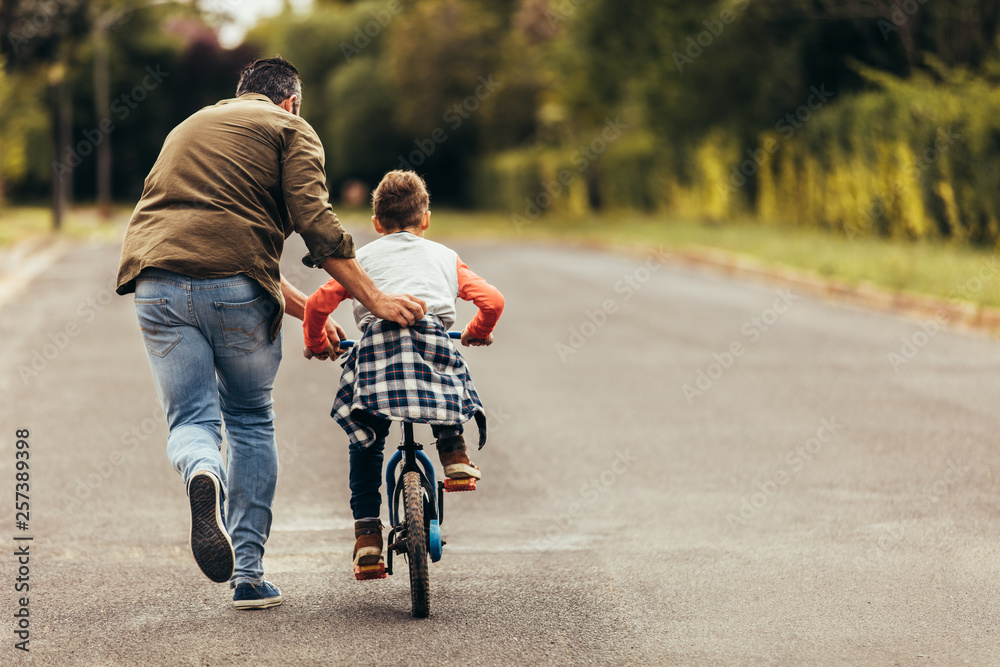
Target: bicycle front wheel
[{"x": 416, "y": 544}]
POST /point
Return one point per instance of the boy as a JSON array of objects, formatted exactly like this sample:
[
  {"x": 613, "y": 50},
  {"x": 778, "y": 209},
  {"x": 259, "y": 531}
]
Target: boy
[{"x": 411, "y": 374}]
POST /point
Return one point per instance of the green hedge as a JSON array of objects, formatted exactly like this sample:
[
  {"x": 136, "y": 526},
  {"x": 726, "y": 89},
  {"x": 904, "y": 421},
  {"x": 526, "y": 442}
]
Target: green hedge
[
  {"x": 531, "y": 182},
  {"x": 912, "y": 160}
]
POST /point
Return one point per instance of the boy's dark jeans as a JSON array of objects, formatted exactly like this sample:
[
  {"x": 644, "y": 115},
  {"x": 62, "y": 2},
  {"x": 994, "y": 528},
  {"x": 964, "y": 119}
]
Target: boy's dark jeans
[{"x": 366, "y": 465}]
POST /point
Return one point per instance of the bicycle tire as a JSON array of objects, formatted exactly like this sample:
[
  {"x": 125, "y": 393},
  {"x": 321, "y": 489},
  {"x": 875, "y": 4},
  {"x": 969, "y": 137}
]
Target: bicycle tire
[{"x": 416, "y": 544}]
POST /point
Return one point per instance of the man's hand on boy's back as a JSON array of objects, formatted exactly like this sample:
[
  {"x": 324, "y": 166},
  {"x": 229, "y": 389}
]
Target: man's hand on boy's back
[
  {"x": 469, "y": 341},
  {"x": 402, "y": 309}
]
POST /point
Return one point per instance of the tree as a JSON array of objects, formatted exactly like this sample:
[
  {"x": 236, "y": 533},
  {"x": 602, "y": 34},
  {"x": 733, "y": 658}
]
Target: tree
[
  {"x": 13, "y": 144},
  {"x": 103, "y": 16},
  {"x": 442, "y": 57},
  {"x": 39, "y": 40}
]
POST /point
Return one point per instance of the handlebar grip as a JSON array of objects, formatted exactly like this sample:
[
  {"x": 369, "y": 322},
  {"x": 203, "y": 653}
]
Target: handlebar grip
[{"x": 457, "y": 335}]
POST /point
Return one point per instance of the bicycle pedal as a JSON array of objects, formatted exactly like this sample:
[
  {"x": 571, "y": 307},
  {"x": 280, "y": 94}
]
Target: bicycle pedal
[
  {"x": 366, "y": 572},
  {"x": 467, "y": 484}
]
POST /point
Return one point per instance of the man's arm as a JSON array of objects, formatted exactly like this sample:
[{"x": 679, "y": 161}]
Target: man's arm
[
  {"x": 303, "y": 182},
  {"x": 308, "y": 201},
  {"x": 295, "y": 305},
  {"x": 402, "y": 309},
  {"x": 295, "y": 299}
]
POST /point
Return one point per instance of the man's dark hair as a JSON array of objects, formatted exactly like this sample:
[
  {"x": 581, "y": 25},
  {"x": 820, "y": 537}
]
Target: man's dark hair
[
  {"x": 400, "y": 200},
  {"x": 275, "y": 78}
]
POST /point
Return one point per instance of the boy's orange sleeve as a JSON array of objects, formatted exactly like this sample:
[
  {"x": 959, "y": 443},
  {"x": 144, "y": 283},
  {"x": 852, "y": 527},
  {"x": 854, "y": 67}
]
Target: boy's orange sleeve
[
  {"x": 487, "y": 298},
  {"x": 319, "y": 305}
]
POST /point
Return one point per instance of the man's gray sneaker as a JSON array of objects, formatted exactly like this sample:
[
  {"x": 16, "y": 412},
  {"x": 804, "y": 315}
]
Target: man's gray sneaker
[{"x": 210, "y": 543}]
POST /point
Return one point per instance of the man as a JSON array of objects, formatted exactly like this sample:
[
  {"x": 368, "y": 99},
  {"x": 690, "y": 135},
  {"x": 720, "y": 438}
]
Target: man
[{"x": 201, "y": 254}]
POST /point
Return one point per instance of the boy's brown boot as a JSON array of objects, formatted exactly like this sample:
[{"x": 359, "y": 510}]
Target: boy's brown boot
[
  {"x": 368, "y": 542},
  {"x": 455, "y": 459}
]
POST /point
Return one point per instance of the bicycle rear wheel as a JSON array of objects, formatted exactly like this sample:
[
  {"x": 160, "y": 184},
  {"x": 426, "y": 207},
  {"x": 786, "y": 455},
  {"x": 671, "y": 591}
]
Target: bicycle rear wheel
[{"x": 416, "y": 544}]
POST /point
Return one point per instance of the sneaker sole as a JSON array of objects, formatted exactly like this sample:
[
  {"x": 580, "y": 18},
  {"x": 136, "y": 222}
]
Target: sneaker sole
[
  {"x": 258, "y": 604},
  {"x": 210, "y": 544},
  {"x": 462, "y": 471}
]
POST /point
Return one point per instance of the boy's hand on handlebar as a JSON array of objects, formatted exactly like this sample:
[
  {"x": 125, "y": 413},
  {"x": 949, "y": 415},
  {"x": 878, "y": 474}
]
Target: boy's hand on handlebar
[
  {"x": 334, "y": 334},
  {"x": 402, "y": 309},
  {"x": 329, "y": 353},
  {"x": 469, "y": 341},
  {"x": 309, "y": 354}
]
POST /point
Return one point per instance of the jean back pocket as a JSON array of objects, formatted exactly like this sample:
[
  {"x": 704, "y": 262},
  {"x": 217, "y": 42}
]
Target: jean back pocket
[
  {"x": 245, "y": 325},
  {"x": 158, "y": 333}
]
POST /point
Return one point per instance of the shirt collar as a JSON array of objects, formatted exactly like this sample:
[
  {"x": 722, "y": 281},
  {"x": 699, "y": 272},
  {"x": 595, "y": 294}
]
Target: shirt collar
[{"x": 251, "y": 96}]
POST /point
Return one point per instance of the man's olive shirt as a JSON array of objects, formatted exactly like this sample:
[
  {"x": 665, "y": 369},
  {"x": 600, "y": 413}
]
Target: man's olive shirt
[{"x": 232, "y": 182}]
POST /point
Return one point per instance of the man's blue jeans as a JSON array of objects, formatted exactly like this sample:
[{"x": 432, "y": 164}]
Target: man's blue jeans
[{"x": 212, "y": 357}]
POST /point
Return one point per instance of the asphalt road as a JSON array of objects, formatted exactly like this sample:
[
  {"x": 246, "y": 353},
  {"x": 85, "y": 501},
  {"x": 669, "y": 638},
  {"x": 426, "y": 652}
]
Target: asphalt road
[{"x": 802, "y": 501}]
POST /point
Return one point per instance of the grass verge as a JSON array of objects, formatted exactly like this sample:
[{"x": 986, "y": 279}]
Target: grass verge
[{"x": 18, "y": 223}]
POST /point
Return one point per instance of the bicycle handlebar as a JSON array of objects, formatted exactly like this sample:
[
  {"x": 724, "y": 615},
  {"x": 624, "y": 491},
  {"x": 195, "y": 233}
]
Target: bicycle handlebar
[{"x": 457, "y": 335}]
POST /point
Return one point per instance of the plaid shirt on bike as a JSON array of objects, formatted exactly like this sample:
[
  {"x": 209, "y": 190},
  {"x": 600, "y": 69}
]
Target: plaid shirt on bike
[{"x": 413, "y": 374}]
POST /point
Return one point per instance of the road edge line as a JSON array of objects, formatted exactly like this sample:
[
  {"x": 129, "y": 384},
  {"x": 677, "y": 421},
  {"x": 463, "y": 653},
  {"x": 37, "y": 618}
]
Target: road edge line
[{"x": 30, "y": 266}]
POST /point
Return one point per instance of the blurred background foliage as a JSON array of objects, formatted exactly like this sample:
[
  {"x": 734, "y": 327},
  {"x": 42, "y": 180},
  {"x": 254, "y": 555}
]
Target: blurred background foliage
[{"x": 864, "y": 117}]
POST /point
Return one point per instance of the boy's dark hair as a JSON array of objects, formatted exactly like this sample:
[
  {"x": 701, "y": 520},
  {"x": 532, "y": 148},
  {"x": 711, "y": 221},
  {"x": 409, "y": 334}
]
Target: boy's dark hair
[
  {"x": 400, "y": 200},
  {"x": 275, "y": 78}
]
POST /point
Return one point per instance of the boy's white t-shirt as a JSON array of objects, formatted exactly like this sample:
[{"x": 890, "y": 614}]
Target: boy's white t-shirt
[{"x": 404, "y": 263}]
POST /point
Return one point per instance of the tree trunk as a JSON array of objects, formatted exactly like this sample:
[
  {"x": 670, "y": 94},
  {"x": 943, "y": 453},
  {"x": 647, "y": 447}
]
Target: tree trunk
[
  {"x": 58, "y": 191},
  {"x": 102, "y": 105},
  {"x": 66, "y": 138},
  {"x": 62, "y": 128}
]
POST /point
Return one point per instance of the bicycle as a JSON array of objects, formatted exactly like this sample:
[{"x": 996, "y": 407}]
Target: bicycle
[{"x": 410, "y": 481}]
